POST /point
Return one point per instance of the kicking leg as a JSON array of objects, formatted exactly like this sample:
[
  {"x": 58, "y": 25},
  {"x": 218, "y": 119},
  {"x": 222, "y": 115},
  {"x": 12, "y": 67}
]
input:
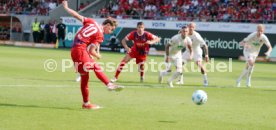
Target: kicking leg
[{"x": 165, "y": 72}]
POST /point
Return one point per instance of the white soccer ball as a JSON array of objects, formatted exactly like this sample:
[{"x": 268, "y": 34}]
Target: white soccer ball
[{"x": 199, "y": 97}]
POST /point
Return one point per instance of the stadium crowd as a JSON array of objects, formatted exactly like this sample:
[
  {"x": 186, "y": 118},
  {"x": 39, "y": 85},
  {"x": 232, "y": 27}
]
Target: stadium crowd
[
  {"x": 254, "y": 11},
  {"x": 29, "y": 7}
]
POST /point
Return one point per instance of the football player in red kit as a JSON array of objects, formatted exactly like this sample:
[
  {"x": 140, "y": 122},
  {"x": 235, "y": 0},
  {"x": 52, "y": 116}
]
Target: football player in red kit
[
  {"x": 142, "y": 40},
  {"x": 90, "y": 34}
]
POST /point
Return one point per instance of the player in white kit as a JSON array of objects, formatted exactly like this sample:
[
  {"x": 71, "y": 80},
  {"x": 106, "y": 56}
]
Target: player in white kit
[
  {"x": 197, "y": 43},
  {"x": 252, "y": 45},
  {"x": 173, "y": 54}
]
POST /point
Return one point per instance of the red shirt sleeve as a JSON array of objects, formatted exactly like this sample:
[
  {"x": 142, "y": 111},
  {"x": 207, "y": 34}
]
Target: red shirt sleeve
[
  {"x": 150, "y": 36},
  {"x": 87, "y": 20},
  {"x": 130, "y": 36}
]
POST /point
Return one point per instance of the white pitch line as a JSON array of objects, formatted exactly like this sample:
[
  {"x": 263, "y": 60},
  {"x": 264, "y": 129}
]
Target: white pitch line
[{"x": 46, "y": 86}]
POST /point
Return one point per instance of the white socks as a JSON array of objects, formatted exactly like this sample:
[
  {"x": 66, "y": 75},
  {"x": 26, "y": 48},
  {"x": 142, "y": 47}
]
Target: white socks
[
  {"x": 205, "y": 76},
  {"x": 244, "y": 72},
  {"x": 86, "y": 103},
  {"x": 250, "y": 71},
  {"x": 174, "y": 76}
]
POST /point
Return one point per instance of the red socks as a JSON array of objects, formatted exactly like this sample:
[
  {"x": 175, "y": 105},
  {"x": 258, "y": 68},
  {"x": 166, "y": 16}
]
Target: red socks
[
  {"x": 119, "y": 69},
  {"x": 84, "y": 87}
]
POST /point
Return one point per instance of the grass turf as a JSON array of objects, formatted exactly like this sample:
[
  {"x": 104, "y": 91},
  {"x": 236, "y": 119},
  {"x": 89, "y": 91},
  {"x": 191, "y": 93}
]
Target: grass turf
[{"x": 31, "y": 98}]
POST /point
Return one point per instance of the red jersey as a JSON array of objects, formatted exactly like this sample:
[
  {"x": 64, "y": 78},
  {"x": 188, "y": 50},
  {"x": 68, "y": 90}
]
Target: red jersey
[
  {"x": 91, "y": 32},
  {"x": 140, "y": 45}
]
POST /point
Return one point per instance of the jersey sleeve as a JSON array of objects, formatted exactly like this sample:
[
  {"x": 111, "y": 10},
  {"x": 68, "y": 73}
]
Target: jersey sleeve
[
  {"x": 266, "y": 41},
  {"x": 189, "y": 41},
  {"x": 130, "y": 36},
  {"x": 151, "y": 36},
  {"x": 86, "y": 20},
  {"x": 173, "y": 40},
  {"x": 200, "y": 40},
  {"x": 250, "y": 36}
]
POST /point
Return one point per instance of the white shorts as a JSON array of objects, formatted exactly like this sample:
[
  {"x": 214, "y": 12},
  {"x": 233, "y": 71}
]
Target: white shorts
[
  {"x": 177, "y": 61},
  {"x": 250, "y": 56},
  {"x": 197, "y": 56}
]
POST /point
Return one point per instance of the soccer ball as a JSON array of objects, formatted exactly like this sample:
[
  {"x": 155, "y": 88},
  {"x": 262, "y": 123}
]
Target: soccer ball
[{"x": 199, "y": 97}]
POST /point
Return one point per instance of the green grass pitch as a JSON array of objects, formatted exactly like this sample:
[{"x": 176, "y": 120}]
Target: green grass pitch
[{"x": 31, "y": 98}]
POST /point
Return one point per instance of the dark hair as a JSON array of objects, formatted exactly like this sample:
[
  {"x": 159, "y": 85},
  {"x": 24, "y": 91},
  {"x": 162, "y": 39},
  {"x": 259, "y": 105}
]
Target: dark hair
[
  {"x": 108, "y": 21},
  {"x": 115, "y": 23},
  {"x": 140, "y": 23},
  {"x": 183, "y": 27}
]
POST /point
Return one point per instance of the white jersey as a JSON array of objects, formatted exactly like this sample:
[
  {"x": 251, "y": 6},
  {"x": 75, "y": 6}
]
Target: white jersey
[
  {"x": 197, "y": 42},
  {"x": 254, "y": 44},
  {"x": 177, "y": 44}
]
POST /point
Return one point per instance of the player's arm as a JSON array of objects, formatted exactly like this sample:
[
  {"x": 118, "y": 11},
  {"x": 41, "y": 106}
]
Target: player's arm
[
  {"x": 156, "y": 39},
  {"x": 268, "y": 45},
  {"x": 93, "y": 51},
  {"x": 189, "y": 46},
  {"x": 71, "y": 12},
  {"x": 206, "y": 51},
  {"x": 167, "y": 48},
  {"x": 125, "y": 45},
  {"x": 245, "y": 40},
  {"x": 205, "y": 47},
  {"x": 267, "y": 53},
  {"x": 152, "y": 39}
]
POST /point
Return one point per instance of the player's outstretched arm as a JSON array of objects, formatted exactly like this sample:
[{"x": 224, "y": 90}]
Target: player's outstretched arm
[
  {"x": 125, "y": 45},
  {"x": 71, "y": 12},
  {"x": 156, "y": 39}
]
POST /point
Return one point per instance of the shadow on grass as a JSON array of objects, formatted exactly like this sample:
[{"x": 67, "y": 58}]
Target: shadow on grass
[{"x": 35, "y": 106}]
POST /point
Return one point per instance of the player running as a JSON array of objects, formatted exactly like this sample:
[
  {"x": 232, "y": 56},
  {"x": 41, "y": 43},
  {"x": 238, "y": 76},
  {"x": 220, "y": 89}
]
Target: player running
[
  {"x": 252, "y": 45},
  {"x": 142, "y": 40},
  {"x": 173, "y": 54},
  {"x": 90, "y": 34},
  {"x": 197, "y": 43}
]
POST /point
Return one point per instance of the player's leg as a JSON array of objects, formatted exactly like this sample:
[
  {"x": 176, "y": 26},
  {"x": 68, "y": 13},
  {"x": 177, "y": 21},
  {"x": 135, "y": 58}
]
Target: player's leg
[
  {"x": 251, "y": 63},
  {"x": 63, "y": 40},
  {"x": 101, "y": 76},
  {"x": 244, "y": 72},
  {"x": 203, "y": 72},
  {"x": 185, "y": 57},
  {"x": 178, "y": 65},
  {"x": 79, "y": 65},
  {"x": 141, "y": 65},
  {"x": 125, "y": 60},
  {"x": 78, "y": 77},
  {"x": 165, "y": 72}
]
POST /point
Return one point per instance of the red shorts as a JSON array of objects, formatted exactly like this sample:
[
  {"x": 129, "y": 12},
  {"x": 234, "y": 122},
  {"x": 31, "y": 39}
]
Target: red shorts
[
  {"x": 139, "y": 58},
  {"x": 82, "y": 61}
]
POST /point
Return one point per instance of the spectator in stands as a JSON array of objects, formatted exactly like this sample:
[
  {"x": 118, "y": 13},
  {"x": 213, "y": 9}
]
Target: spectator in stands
[
  {"x": 53, "y": 31},
  {"x": 47, "y": 31},
  {"x": 52, "y": 5},
  {"x": 81, "y": 6},
  {"x": 61, "y": 32},
  {"x": 35, "y": 30},
  {"x": 42, "y": 33}
]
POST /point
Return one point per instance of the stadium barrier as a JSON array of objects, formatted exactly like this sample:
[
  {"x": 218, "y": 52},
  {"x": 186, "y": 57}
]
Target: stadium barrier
[
  {"x": 27, "y": 44},
  {"x": 222, "y": 38}
]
